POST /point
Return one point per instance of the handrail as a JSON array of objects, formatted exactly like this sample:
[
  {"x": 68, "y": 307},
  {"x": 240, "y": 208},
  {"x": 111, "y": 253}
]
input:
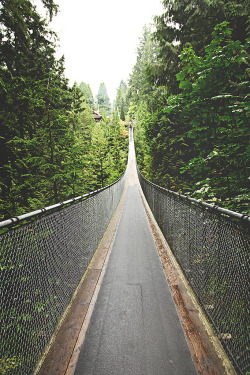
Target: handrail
[
  {"x": 42, "y": 263},
  {"x": 40, "y": 211},
  {"x": 225, "y": 211},
  {"x": 211, "y": 245}
]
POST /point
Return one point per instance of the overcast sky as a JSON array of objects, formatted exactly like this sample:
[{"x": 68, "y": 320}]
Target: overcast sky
[{"x": 99, "y": 38}]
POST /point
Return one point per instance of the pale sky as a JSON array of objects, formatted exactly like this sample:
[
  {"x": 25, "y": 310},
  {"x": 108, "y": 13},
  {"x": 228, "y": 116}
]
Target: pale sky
[{"x": 99, "y": 38}]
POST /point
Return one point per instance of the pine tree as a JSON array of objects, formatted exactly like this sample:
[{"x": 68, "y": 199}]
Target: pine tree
[
  {"x": 103, "y": 101},
  {"x": 37, "y": 109},
  {"x": 86, "y": 90},
  {"x": 122, "y": 100},
  {"x": 213, "y": 104},
  {"x": 186, "y": 23},
  {"x": 27, "y": 56},
  {"x": 139, "y": 85}
]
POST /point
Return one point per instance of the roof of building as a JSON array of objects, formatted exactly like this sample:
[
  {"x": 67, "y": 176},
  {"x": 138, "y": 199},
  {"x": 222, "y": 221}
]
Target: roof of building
[{"x": 97, "y": 115}]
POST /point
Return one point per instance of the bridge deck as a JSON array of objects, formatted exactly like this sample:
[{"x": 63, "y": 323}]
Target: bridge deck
[{"x": 134, "y": 329}]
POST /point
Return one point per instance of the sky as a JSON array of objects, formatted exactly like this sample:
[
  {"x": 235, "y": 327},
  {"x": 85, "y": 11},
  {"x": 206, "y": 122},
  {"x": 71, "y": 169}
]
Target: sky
[{"x": 99, "y": 39}]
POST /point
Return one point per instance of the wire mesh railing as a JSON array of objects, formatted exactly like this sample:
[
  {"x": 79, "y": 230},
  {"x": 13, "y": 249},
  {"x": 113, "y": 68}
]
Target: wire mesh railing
[
  {"x": 212, "y": 247},
  {"x": 42, "y": 263}
]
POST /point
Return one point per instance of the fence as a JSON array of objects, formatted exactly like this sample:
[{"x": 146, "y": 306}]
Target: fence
[
  {"x": 212, "y": 247},
  {"x": 42, "y": 263}
]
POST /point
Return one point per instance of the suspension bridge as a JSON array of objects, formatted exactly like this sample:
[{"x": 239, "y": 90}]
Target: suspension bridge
[{"x": 131, "y": 279}]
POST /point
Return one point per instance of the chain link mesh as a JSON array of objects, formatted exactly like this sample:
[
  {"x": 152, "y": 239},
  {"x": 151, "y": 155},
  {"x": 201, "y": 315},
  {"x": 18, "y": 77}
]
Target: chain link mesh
[
  {"x": 213, "y": 252},
  {"x": 42, "y": 264}
]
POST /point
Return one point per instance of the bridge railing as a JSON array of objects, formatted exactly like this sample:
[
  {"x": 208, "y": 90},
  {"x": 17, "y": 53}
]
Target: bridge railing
[
  {"x": 42, "y": 263},
  {"x": 211, "y": 245}
]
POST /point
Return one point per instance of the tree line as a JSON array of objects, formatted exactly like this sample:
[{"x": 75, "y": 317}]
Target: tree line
[
  {"x": 51, "y": 148},
  {"x": 189, "y": 94}
]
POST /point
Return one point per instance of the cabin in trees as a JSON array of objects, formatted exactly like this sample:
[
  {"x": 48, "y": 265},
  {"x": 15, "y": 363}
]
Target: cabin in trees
[{"x": 97, "y": 116}]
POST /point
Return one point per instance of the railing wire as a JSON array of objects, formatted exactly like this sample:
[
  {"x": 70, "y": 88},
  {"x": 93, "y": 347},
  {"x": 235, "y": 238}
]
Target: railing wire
[
  {"x": 42, "y": 263},
  {"x": 212, "y": 247}
]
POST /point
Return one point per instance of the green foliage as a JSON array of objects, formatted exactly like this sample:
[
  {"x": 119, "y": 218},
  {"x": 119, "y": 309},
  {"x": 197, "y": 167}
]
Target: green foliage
[
  {"x": 166, "y": 147},
  {"x": 103, "y": 101},
  {"x": 140, "y": 88},
  {"x": 118, "y": 143},
  {"x": 99, "y": 158},
  {"x": 131, "y": 111},
  {"x": 88, "y": 95},
  {"x": 214, "y": 105},
  {"x": 122, "y": 100},
  {"x": 46, "y": 138},
  {"x": 108, "y": 157},
  {"x": 7, "y": 365},
  {"x": 195, "y": 89},
  {"x": 142, "y": 150},
  {"x": 190, "y": 23},
  {"x": 32, "y": 82},
  {"x": 122, "y": 114}
]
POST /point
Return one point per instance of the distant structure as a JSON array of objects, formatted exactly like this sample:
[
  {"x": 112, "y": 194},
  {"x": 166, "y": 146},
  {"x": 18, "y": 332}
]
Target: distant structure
[{"x": 97, "y": 116}]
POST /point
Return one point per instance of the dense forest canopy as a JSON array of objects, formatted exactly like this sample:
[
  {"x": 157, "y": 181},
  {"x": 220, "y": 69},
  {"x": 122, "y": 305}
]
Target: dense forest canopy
[
  {"x": 51, "y": 148},
  {"x": 189, "y": 94}
]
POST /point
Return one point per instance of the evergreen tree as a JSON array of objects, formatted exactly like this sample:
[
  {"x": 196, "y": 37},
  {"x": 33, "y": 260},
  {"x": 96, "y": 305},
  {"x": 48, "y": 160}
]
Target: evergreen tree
[
  {"x": 78, "y": 170},
  {"x": 37, "y": 109},
  {"x": 213, "y": 104},
  {"x": 121, "y": 100},
  {"x": 103, "y": 100},
  {"x": 109, "y": 151},
  {"x": 48, "y": 140},
  {"x": 122, "y": 114},
  {"x": 99, "y": 161},
  {"x": 116, "y": 144},
  {"x": 186, "y": 23},
  {"x": 27, "y": 63},
  {"x": 188, "y": 146},
  {"x": 86, "y": 90},
  {"x": 139, "y": 86}
]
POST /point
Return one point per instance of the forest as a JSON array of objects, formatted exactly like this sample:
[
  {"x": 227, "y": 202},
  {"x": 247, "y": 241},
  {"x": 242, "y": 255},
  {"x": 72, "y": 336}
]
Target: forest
[
  {"x": 51, "y": 147},
  {"x": 187, "y": 96}
]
